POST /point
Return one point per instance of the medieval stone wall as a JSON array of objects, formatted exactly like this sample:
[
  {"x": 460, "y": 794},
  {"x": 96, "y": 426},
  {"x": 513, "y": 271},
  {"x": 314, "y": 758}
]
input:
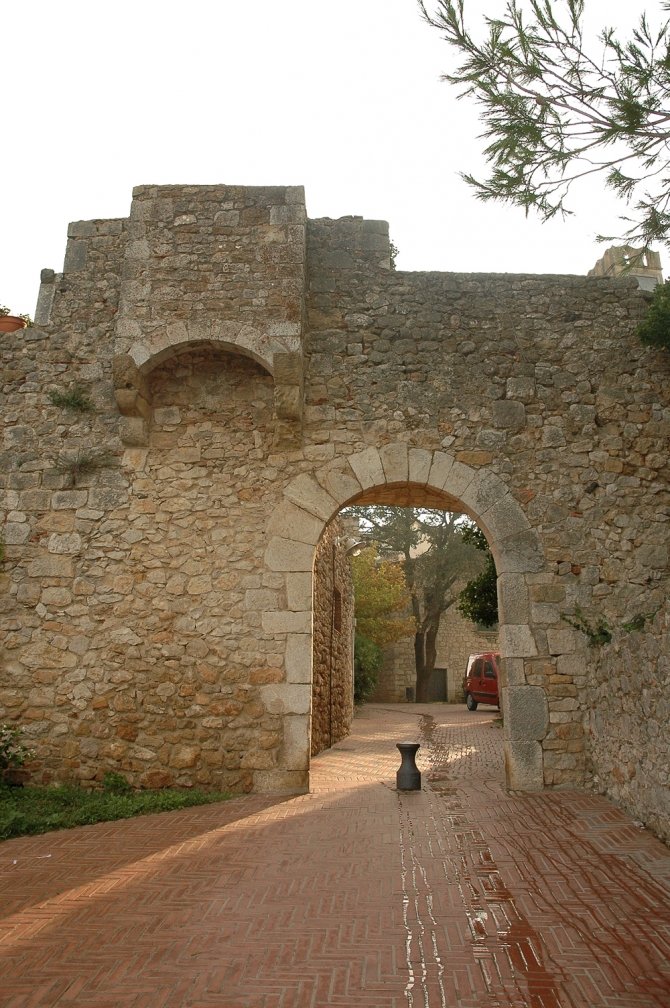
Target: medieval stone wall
[
  {"x": 332, "y": 674},
  {"x": 523, "y": 401},
  {"x": 629, "y": 708}
]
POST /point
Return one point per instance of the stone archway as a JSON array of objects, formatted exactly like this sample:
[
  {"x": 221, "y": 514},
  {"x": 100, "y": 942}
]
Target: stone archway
[{"x": 409, "y": 476}]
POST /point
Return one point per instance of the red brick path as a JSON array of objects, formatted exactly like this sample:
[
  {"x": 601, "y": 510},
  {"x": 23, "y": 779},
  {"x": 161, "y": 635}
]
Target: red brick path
[{"x": 460, "y": 895}]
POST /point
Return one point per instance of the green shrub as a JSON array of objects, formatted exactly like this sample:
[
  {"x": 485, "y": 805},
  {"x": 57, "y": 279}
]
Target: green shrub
[
  {"x": 655, "y": 329},
  {"x": 13, "y": 753},
  {"x": 74, "y": 398},
  {"x": 28, "y": 810},
  {"x": 368, "y": 660},
  {"x": 596, "y": 636},
  {"x": 115, "y": 783},
  {"x": 84, "y": 463}
]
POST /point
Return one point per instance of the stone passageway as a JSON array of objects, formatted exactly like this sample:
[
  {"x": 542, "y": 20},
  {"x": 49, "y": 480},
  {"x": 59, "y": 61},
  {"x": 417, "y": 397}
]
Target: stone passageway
[{"x": 461, "y": 895}]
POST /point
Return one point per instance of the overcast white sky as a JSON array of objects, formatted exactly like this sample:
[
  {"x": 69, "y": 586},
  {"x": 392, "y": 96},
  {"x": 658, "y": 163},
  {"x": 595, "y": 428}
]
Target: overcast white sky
[{"x": 341, "y": 97}]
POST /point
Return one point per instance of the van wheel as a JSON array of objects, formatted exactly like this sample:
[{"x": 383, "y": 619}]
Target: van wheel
[{"x": 470, "y": 702}]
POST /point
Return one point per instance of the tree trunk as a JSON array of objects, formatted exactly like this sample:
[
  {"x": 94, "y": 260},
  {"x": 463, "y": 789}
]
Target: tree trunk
[
  {"x": 429, "y": 657},
  {"x": 419, "y": 661}
]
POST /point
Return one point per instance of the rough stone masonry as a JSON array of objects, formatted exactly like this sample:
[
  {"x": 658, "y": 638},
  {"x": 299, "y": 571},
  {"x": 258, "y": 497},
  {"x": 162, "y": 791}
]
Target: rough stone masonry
[{"x": 253, "y": 372}]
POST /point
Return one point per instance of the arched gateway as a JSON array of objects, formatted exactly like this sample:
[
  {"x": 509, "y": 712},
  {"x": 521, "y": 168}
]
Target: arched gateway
[
  {"x": 253, "y": 372},
  {"x": 415, "y": 477}
]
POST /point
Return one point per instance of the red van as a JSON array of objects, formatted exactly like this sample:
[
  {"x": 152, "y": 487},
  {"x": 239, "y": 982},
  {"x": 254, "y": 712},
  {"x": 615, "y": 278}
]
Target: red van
[{"x": 481, "y": 679}]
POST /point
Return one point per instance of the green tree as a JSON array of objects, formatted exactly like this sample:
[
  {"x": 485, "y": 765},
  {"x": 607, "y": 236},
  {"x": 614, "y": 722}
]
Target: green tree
[
  {"x": 368, "y": 660},
  {"x": 556, "y": 110},
  {"x": 380, "y": 590},
  {"x": 654, "y": 330},
  {"x": 429, "y": 545},
  {"x": 478, "y": 602}
]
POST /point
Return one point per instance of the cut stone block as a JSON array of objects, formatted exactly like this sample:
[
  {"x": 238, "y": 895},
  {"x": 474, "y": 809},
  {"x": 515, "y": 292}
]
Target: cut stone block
[
  {"x": 293, "y": 523},
  {"x": 286, "y": 698},
  {"x": 299, "y": 591},
  {"x": 523, "y": 762},
  {"x": 526, "y": 713},
  {"x": 285, "y": 621},
  {"x": 517, "y": 641},
  {"x": 513, "y": 602},
  {"x": 298, "y": 658},
  {"x": 459, "y": 479},
  {"x": 368, "y": 468},
  {"x": 281, "y": 781},
  {"x": 520, "y": 553},
  {"x": 294, "y": 751},
  {"x": 504, "y": 518},
  {"x": 420, "y": 462},
  {"x": 306, "y": 493},
  {"x": 394, "y": 462},
  {"x": 440, "y": 469},
  {"x": 289, "y": 555}
]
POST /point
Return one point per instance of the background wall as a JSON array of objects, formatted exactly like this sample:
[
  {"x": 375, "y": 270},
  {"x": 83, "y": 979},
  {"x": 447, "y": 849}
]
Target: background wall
[{"x": 456, "y": 641}]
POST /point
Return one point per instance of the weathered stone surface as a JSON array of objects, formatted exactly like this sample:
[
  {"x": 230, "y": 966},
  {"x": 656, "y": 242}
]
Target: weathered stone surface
[
  {"x": 628, "y": 690},
  {"x": 524, "y": 765},
  {"x": 526, "y": 713},
  {"x": 516, "y": 641},
  {"x": 333, "y": 631},
  {"x": 288, "y": 555}
]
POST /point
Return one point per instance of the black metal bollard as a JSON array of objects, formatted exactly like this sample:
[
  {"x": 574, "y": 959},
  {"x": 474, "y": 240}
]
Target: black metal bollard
[{"x": 408, "y": 777}]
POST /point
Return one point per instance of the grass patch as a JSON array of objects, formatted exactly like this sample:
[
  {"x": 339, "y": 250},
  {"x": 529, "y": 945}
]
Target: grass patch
[{"x": 25, "y": 811}]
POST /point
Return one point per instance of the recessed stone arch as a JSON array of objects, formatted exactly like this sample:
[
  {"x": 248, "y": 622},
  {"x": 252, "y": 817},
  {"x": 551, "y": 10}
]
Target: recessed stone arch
[{"x": 396, "y": 474}]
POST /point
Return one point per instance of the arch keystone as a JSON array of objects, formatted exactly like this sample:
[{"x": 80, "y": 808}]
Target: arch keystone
[
  {"x": 394, "y": 462},
  {"x": 420, "y": 462}
]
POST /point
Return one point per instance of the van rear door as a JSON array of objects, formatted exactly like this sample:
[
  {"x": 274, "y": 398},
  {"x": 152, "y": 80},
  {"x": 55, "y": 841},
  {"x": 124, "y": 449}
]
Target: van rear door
[
  {"x": 474, "y": 684},
  {"x": 489, "y": 683}
]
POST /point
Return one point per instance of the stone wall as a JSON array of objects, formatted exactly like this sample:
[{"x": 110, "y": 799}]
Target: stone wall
[
  {"x": 456, "y": 641},
  {"x": 629, "y": 700},
  {"x": 306, "y": 377},
  {"x": 332, "y": 674}
]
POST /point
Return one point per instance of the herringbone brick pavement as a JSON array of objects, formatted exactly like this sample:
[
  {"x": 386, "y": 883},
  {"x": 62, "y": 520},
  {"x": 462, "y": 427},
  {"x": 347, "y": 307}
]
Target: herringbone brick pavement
[{"x": 458, "y": 895}]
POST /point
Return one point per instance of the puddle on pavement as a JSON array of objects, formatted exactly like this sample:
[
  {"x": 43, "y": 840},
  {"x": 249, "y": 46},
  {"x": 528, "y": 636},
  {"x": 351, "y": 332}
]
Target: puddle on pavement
[{"x": 509, "y": 951}]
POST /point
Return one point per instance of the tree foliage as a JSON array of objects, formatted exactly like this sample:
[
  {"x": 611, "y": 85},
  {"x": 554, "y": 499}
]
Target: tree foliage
[
  {"x": 368, "y": 660},
  {"x": 429, "y": 545},
  {"x": 478, "y": 602},
  {"x": 555, "y": 112},
  {"x": 380, "y": 589},
  {"x": 654, "y": 330}
]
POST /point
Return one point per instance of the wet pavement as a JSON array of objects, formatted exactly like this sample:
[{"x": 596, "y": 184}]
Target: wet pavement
[{"x": 459, "y": 895}]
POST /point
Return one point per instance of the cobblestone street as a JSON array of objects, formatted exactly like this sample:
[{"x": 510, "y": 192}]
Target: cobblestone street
[{"x": 460, "y": 895}]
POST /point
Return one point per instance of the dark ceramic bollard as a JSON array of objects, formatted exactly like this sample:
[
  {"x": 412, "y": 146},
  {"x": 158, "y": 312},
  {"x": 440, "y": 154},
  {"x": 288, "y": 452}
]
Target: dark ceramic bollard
[{"x": 408, "y": 777}]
